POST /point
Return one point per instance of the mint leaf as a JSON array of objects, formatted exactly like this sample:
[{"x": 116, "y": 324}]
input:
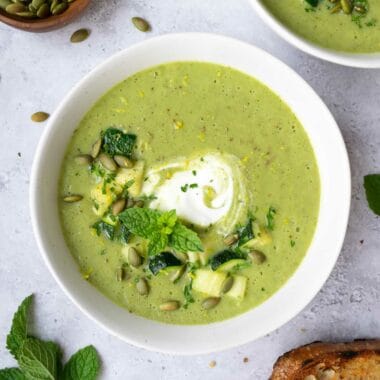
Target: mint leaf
[
  {"x": 18, "y": 332},
  {"x": 11, "y": 374},
  {"x": 372, "y": 190},
  {"x": 38, "y": 359},
  {"x": 183, "y": 239},
  {"x": 167, "y": 221},
  {"x": 141, "y": 221},
  {"x": 157, "y": 243},
  {"x": 83, "y": 365},
  {"x": 116, "y": 141}
]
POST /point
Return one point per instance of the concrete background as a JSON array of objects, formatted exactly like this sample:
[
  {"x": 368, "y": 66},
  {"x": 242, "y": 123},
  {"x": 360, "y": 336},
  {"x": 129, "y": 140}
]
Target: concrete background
[{"x": 37, "y": 70}]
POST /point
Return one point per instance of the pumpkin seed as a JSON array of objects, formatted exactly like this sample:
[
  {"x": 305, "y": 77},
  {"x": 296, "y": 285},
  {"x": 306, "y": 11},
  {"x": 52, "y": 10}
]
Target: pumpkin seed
[
  {"x": 43, "y": 11},
  {"x": 142, "y": 286},
  {"x": 346, "y": 6},
  {"x": 60, "y": 8},
  {"x": 37, "y": 3},
  {"x": 26, "y": 14},
  {"x": 141, "y": 24},
  {"x": 134, "y": 258},
  {"x": 310, "y": 377},
  {"x": 227, "y": 285},
  {"x": 39, "y": 117},
  {"x": 175, "y": 275},
  {"x": 257, "y": 257},
  {"x": 53, "y": 4},
  {"x": 118, "y": 206},
  {"x": 120, "y": 274},
  {"x": 4, "y": 3},
  {"x": 72, "y": 198},
  {"x": 210, "y": 303},
  {"x": 170, "y": 306},
  {"x": 15, "y": 8},
  {"x": 230, "y": 239},
  {"x": 123, "y": 162},
  {"x": 96, "y": 148},
  {"x": 79, "y": 35},
  {"x": 83, "y": 159},
  {"x": 107, "y": 162}
]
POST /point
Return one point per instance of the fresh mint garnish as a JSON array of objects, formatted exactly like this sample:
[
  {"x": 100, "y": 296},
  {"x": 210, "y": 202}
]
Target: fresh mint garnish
[
  {"x": 83, "y": 365},
  {"x": 18, "y": 332},
  {"x": 116, "y": 142},
  {"x": 12, "y": 374},
  {"x": 161, "y": 229},
  {"x": 372, "y": 190},
  {"x": 41, "y": 360}
]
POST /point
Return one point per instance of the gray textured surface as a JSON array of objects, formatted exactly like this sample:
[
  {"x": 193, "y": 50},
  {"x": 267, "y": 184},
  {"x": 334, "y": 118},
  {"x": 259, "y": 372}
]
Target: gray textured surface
[{"x": 36, "y": 71}]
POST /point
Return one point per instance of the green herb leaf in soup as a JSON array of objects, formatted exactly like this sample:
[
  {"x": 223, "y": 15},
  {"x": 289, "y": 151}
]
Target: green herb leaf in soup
[{"x": 116, "y": 142}]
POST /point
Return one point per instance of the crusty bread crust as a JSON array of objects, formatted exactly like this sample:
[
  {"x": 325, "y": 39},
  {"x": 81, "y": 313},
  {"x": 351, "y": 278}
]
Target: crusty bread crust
[{"x": 358, "y": 360}]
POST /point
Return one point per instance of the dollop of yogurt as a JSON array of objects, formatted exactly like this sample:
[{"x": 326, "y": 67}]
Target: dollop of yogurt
[{"x": 205, "y": 190}]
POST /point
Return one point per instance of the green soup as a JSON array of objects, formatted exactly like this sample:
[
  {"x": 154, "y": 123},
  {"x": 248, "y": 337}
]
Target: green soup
[
  {"x": 329, "y": 26},
  {"x": 221, "y": 149}
]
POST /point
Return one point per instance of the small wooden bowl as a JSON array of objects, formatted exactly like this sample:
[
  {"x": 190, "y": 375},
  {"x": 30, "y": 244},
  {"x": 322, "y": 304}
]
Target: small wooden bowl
[{"x": 45, "y": 24}]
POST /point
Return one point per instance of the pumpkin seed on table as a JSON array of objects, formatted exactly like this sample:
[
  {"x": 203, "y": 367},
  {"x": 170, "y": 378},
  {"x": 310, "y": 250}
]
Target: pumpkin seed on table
[
  {"x": 58, "y": 9},
  {"x": 118, "y": 206},
  {"x": 170, "y": 306},
  {"x": 210, "y": 303},
  {"x": 123, "y": 162},
  {"x": 134, "y": 258},
  {"x": 39, "y": 117},
  {"x": 79, "y": 36},
  {"x": 142, "y": 286},
  {"x": 83, "y": 159},
  {"x": 107, "y": 162},
  {"x": 141, "y": 24},
  {"x": 15, "y": 8},
  {"x": 72, "y": 198},
  {"x": 43, "y": 11}
]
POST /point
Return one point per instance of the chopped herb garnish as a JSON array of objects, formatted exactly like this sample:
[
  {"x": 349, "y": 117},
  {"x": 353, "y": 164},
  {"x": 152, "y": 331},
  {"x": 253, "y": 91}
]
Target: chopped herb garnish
[
  {"x": 193, "y": 186},
  {"x": 292, "y": 243},
  {"x": 117, "y": 142},
  {"x": 187, "y": 292},
  {"x": 184, "y": 188},
  {"x": 194, "y": 172},
  {"x": 270, "y": 218}
]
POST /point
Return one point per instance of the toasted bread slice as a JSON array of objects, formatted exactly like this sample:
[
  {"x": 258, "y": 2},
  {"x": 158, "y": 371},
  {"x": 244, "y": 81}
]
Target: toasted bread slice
[{"x": 358, "y": 360}]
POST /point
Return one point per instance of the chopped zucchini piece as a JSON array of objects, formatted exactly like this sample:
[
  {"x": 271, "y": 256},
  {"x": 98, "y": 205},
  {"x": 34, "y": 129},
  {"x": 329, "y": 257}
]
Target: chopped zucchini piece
[
  {"x": 239, "y": 288},
  {"x": 102, "y": 196},
  {"x": 231, "y": 264},
  {"x": 134, "y": 174},
  {"x": 209, "y": 282},
  {"x": 162, "y": 261},
  {"x": 110, "y": 219},
  {"x": 222, "y": 257}
]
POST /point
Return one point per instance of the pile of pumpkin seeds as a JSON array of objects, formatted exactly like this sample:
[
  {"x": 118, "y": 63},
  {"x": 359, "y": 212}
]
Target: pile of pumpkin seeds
[{"x": 32, "y": 9}]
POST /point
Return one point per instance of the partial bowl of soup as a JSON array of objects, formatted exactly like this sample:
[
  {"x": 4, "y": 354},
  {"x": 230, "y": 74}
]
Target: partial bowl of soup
[
  {"x": 191, "y": 194},
  {"x": 346, "y": 32}
]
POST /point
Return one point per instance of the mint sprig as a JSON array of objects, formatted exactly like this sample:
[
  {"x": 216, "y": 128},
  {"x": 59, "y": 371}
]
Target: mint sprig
[
  {"x": 82, "y": 365},
  {"x": 41, "y": 360},
  {"x": 372, "y": 191},
  {"x": 18, "y": 332},
  {"x": 162, "y": 229},
  {"x": 12, "y": 374}
]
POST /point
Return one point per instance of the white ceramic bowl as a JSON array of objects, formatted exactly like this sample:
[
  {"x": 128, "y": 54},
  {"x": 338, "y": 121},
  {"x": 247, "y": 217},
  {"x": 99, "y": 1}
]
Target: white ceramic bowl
[
  {"x": 369, "y": 61},
  {"x": 334, "y": 208}
]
